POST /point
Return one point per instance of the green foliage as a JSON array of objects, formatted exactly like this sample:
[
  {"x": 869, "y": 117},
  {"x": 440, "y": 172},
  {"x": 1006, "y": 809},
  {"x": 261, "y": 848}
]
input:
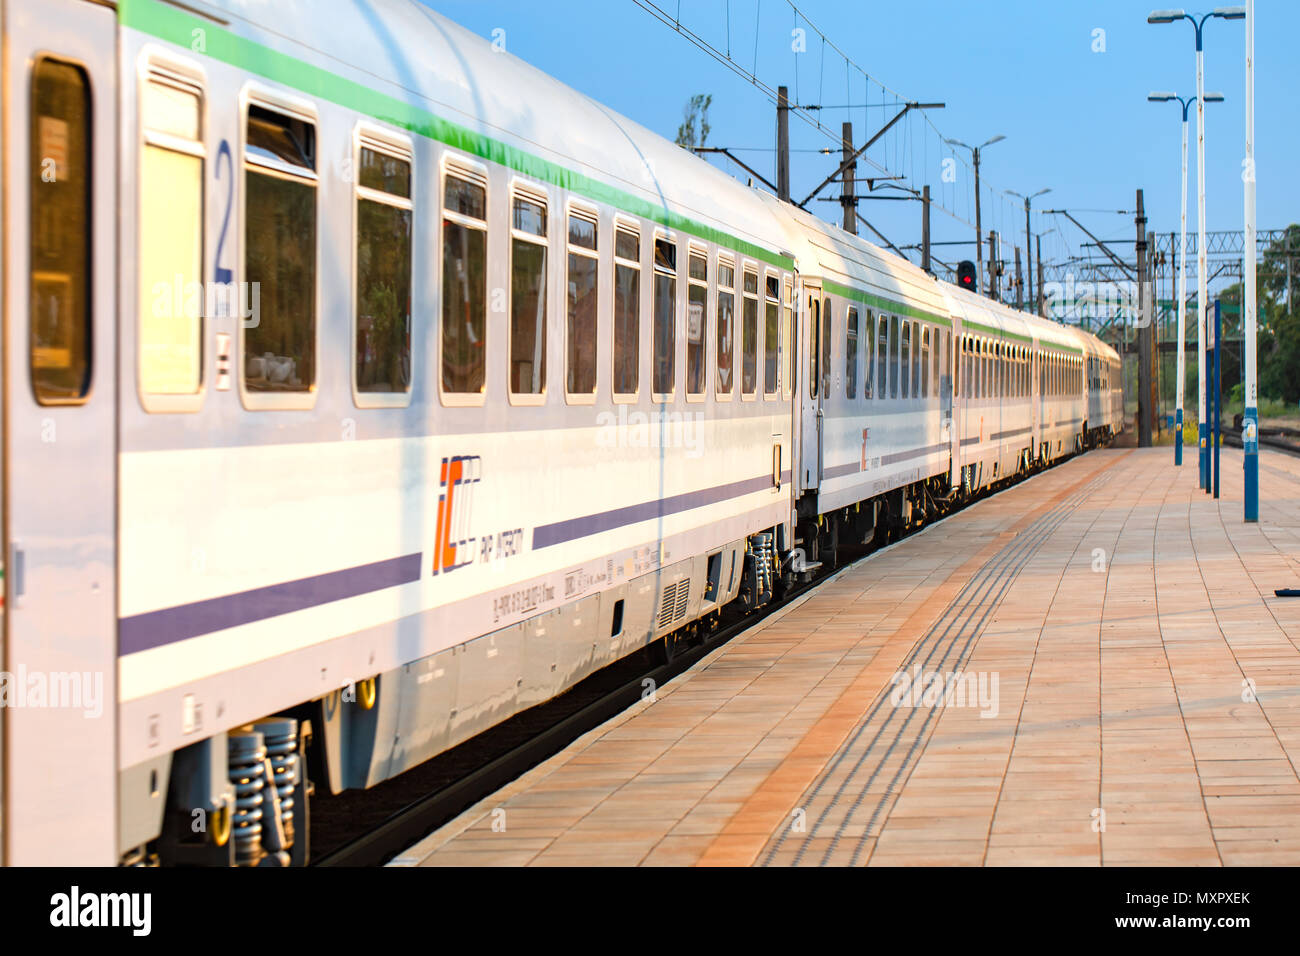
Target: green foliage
[{"x": 695, "y": 112}]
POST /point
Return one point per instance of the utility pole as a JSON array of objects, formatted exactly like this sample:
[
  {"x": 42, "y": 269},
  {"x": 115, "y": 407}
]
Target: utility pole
[
  {"x": 1029, "y": 255},
  {"x": 925, "y": 228},
  {"x": 1020, "y": 284},
  {"x": 979, "y": 237},
  {"x": 994, "y": 290},
  {"x": 1145, "y": 411},
  {"x": 1042, "y": 298},
  {"x": 782, "y": 144},
  {"x": 847, "y": 198}
]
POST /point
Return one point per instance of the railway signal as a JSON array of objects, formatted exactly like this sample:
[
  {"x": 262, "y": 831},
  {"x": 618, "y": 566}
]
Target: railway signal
[{"x": 966, "y": 274}]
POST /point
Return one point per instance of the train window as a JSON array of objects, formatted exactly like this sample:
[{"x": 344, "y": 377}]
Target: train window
[
  {"x": 882, "y": 357},
  {"x": 936, "y": 360},
  {"x": 749, "y": 335},
  {"x": 787, "y": 336},
  {"x": 814, "y": 353},
  {"x": 171, "y": 240},
  {"x": 828, "y": 338},
  {"x": 983, "y": 382},
  {"x": 280, "y": 251},
  {"x": 868, "y": 357},
  {"x": 725, "y": 327},
  {"x": 894, "y": 340},
  {"x": 772, "y": 337},
  {"x": 60, "y": 344},
  {"x": 697, "y": 295},
  {"x": 664, "y": 324},
  {"x": 527, "y": 358},
  {"x": 905, "y": 358},
  {"x": 925, "y": 362},
  {"x": 582, "y": 297},
  {"x": 945, "y": 360},
  {"x": 383, "y": 264},
  {"x": 464, "y": 282},
  {"x": 627, "y": 311},
  {"x": 972, "y": 368},
  {"x": 851, "y": 355},
  {"x": 916, "y": 359}
]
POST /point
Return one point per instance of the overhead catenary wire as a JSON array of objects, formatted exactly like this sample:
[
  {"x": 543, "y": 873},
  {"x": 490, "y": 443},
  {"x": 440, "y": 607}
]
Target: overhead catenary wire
[{"x": 899, "y": 147}]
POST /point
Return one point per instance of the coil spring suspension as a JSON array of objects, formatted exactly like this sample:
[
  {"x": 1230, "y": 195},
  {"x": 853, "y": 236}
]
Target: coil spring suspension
[
  {"x": 247, "y": 767},
  {"x": 280, "y": 735},
  {"x": 759, "y": 567}
]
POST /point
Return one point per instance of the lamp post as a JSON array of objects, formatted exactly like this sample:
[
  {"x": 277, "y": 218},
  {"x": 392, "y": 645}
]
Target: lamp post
[
  {"x": 1162, "y": 97},
  {"x": 979, "y": 240},
  {"x": 1029, "y": 239},
  {"x": 1250, "y": 413},
  {"x": 1202, "y": 281}
]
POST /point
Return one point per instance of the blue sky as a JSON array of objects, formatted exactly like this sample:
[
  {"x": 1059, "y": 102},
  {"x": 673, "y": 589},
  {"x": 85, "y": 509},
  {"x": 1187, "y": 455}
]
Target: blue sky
[{"x": 1075, "y": 119}]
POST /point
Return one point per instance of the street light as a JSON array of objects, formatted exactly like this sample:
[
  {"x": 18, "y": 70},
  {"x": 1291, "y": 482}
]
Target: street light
[
  {"x": 1163, "y": 97},
  {"x": 1029, "y": 239},
  {"x": 1250, "y": 409},
  {"x": 1172, "y": 16},
  {"x": 975, "y": 161}
]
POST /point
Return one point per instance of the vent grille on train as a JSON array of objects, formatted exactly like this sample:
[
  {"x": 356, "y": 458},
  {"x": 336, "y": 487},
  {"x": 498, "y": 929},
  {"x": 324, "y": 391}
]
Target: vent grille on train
[
  {"x": 672, "y": 607},
  {"x": 683, "y": 597}
]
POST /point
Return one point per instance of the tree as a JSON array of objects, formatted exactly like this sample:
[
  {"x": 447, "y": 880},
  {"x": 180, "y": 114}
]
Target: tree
[
  {"x": 695, "y": 111},
  {"x": 1273, "y": 271}
]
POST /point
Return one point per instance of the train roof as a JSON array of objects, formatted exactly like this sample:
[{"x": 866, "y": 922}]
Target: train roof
[{"x": 892, "y": 282}]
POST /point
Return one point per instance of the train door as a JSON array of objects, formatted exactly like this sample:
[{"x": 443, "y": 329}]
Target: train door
[
  {"x": 810, "y": 450},
  {"x": 59, "y": 447}
]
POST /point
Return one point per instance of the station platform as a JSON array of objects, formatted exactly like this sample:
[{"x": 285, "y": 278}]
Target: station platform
[{"x": 1127, "y": 692}]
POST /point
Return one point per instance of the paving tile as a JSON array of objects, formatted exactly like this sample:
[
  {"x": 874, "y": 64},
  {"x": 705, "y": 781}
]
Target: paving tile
[{"x": 1147, "y": 713}]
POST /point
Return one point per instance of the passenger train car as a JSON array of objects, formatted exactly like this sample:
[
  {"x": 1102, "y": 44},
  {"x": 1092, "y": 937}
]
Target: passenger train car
[{"x": 364, "y": 386}]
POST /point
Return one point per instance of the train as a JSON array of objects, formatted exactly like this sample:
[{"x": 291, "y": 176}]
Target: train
[{"x": 365, "y": 386}]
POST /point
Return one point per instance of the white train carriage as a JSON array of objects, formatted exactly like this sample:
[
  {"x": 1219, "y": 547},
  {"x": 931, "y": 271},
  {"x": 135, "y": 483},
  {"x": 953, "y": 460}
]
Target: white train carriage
[{"x": 361, "y": 378}]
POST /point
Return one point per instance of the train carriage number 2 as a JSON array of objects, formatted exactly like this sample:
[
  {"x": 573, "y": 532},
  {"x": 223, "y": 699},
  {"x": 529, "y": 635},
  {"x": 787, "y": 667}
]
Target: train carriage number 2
[{"x": 220, "y": 273}]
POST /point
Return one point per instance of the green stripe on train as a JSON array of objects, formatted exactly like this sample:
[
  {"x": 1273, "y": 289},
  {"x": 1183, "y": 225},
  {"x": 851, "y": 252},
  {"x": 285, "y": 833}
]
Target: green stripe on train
[{"x": 176, "y": 26}]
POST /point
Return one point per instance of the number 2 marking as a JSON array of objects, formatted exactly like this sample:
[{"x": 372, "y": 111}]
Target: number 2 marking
[{"x": 220, "y": 273}]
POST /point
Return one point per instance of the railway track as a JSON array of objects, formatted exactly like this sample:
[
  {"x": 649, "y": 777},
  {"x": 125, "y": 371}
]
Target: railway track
[
  {"x": 1282, "y": 439},
  {"x": 478, "y": 768}
]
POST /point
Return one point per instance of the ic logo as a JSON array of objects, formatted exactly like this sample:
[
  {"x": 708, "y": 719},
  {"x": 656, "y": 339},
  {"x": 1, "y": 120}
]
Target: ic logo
[{"x": 453, "y": 544}]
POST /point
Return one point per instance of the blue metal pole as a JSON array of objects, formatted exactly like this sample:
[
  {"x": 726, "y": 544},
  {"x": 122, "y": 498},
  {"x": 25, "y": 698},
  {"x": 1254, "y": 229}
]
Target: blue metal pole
[
  {"x": 1178, "y": 441},
  {"x": 1218, "y": 388},
  {"x": 1207, "y": 402}
]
